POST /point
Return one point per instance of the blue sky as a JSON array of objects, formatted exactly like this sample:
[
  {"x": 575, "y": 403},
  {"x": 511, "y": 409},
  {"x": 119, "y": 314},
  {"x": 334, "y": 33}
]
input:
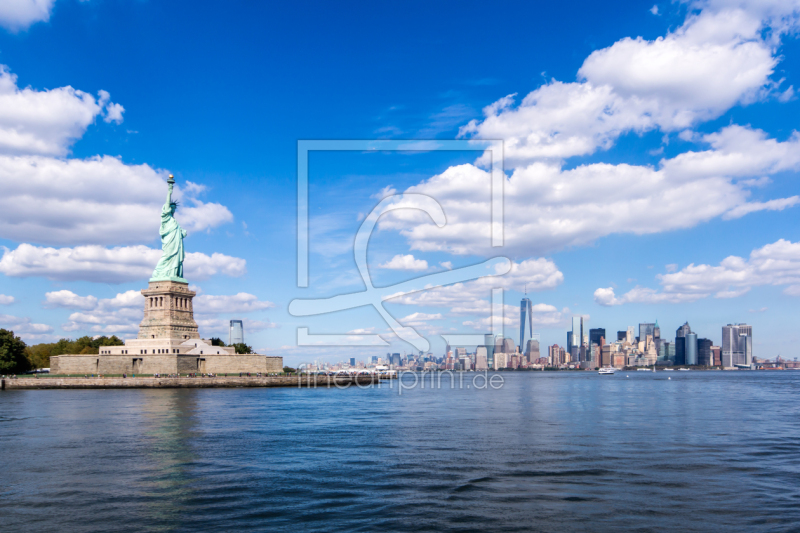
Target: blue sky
[{"x": 651, "y": 162}]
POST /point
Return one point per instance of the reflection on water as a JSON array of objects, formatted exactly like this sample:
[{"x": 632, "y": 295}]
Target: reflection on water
[
  {"x": 168, "y": 421},
  {"x": 549, "y": 451}
]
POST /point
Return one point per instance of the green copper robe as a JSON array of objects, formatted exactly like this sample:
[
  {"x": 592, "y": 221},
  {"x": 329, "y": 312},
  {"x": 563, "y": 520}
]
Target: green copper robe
[{"x": 170, "y": 266}]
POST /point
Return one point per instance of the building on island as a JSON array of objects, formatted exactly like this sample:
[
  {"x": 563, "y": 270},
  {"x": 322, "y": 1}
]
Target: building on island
[
  {"x": 236, "y": 333},
  {"x": 168, "y": 341}
]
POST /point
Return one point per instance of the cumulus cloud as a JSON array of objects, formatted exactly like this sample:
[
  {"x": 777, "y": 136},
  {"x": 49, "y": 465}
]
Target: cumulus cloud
[
  {"x": 471, "y": 298},
  {"x": 108, "y": 265},
  {"x": 16, "y": 15},
  {"x": 99, "y": 200},
  {"x": 405, "y": 262},
  {"x": 210, "y": 326},
  {"x": 26, "y": 328},
  {"x": 774, "y": 264},
  {"x": 6, "y": 300},
  {"x": 548, "y": 208},
  {"x": 65, "y": 298},
  {"x": 122, "y": 314},
  {"x": 47, "y": 122},
  {"x": 715, "y": 60},
  {"x": 543, "y": 315},
  {"x": 236, "y": 303}
]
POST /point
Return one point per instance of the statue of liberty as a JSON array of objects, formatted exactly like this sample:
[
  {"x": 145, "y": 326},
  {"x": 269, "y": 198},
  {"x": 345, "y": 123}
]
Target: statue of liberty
[{"x": 170, "y": 266}]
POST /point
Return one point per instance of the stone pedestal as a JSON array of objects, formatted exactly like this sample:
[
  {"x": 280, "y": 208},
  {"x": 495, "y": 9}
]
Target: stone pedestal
[{"x": 168, "y": 312}]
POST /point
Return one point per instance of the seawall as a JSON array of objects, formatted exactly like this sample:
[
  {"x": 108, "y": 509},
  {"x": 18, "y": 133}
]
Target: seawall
[{"x": 187, "y": 383}]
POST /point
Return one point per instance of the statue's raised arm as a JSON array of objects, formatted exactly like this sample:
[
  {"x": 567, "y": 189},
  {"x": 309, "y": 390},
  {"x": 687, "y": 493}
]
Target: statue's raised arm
[{"x": 170, "y": 266}]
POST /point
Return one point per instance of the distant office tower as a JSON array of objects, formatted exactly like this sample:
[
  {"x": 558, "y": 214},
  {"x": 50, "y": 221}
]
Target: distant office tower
[
  {"x": 629, "y": 336},
  {"x": 737, "y": 345},
  {"x": 680, "y": 343},
  {"x": 461, "y": 352},
  {"x": 716, "y": 354},
  {"x": 352, "y": 361},
  {"x": 666, "y": 352},
  {"x": 375, "y": 359},
  {"x": 577, "y": 331},
  {"x": 645, "y": 329},
  {"x": 488, "y": 341},
  {"x": 656, "y": 331},
  {"x": 525, "y": 309},
  {"x": 236, "y": 333},
  {"x": 554, "y": 355},
  {"x": 480, "y": 359},
  {"x": 621, "y": 335},
  {"x": 596, "y": 334},
  {"x": 498, "y": 344},
  {"x": 569, "y": 340},
  {"x": 704, "y": 355},
  {"x": 500, "y": 360},
  {"x": 690, "y": 349},
  {"x": 396, "y": 359},
  {"x": 508, "y": 346},
  {"x": 532, "y": 349}
]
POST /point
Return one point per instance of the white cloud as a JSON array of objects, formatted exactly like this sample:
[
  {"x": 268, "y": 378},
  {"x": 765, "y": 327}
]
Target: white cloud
[
  {"x": 219, "y": 327},
  {"x": 46, "y": 122},
  {"x": 16, "y": 15},
  {"x": 405, "y": 262},
  {"x": 26, "y": 329},
  {"x": 715, "y": 60},
  {"x": 109, "y": 265},
  {"x": 69, "y": 299},
  {"x": 90, "y": 201},
  {"x": 237, "y": 303},
  {"x": 544, "y": 315},
  {"x": 6, "y": 300},
  {"x": 774, "y": 264},
  {"x": 122, "y": 314},
  {"x": 114, "y": 113},
  {"x": 472, "y": 298},
  {"x": 772, "y": 205},
  {"x": 548, "y": 208},
  {"x": 447, "y": 264},
  {"x": 418, "y": 319},
  {"x": 654, "y": 10}
]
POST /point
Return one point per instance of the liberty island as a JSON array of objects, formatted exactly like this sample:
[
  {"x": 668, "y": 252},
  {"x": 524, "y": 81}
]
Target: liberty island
[{"x": 168, "y": 341}]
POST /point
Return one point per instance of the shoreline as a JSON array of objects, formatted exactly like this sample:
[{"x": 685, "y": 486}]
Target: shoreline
[{"x": 187, "y": 383}]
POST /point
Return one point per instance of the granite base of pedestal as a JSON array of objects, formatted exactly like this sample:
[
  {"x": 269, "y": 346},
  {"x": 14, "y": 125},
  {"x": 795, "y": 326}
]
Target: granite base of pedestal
[{"x": 82, "y": 364}]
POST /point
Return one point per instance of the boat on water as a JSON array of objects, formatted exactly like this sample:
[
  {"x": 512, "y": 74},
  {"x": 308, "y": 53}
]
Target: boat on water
[
  {"x": 684, "y": 369},
  {"x": 643, "y": 370},
  {"x": 669, "y": 370},
  {"x": 607, "y": 370}
]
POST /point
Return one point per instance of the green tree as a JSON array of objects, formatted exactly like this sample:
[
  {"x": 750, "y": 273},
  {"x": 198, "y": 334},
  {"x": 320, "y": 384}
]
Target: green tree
[
  {"x": 288, "y": 370},
  {"x": 12, "y": 354},
  {"x": 242, "y": 348},
  {"x": 216, "y": 341}
]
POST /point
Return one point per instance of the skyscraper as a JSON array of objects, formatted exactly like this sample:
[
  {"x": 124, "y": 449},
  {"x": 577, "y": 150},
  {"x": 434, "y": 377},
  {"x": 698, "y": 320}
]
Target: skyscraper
[
  {"x": 577, "y": 331},
  {"x": 236, "y": 333},
  {"x": 704, "y": 356},
  {"x": 525, "y": 307},
  {"x": 645, "y": 329},
  {"x": 488, "y": 341},
  {"x": 690, "y": 349},
  {"x": 737, "y": 345},
  {"x": 595, "y": 334},
  {"x": 680, "y": 343}
]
